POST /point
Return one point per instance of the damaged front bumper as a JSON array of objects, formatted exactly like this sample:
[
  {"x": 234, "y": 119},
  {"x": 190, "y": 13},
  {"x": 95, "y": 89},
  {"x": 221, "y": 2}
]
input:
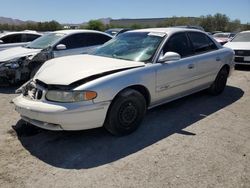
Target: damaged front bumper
[{"x": 61, "y": 116}]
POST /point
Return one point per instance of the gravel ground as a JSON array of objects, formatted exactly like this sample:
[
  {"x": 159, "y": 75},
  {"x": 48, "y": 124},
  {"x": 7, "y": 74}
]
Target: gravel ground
[{"x": 197, "y": 141}]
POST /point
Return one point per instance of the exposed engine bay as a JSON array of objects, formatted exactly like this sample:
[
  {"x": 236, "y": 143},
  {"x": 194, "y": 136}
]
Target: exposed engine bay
[{"x": 22, "y": 69}]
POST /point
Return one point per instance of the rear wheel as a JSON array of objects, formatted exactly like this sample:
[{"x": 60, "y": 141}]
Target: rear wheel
[
  {"x": 220, "y": 82},
  {"x": 126, "y": 112}
]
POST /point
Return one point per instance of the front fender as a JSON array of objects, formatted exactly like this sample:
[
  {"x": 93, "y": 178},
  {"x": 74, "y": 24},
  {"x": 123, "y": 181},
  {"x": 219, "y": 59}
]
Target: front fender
[{"x": 109, "y": 86}]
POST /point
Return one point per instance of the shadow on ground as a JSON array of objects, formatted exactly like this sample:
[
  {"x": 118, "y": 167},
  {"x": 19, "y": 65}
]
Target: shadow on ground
[
  {"x": 242, "y": 67},
  {"x": 92, "y": 148}
]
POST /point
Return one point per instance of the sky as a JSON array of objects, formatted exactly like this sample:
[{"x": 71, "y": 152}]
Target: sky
[{"x": 79, "y": 11}]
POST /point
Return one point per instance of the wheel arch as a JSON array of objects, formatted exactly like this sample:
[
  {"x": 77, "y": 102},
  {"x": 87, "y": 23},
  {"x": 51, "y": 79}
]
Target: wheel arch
[
  {"x": 227, "y": 67},
  {"x": 141, "y": 89}
]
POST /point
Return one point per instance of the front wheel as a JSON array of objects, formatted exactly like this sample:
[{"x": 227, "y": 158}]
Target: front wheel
[
  {"x": 220, "y": 82},
  {"x": 126, "y": 112}
]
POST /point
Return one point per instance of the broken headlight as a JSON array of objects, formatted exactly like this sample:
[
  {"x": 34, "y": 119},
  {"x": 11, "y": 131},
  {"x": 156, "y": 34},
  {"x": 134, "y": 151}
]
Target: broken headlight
[
  {"x": 12, "y": 64},
  {"x": 70, "y": 96}
]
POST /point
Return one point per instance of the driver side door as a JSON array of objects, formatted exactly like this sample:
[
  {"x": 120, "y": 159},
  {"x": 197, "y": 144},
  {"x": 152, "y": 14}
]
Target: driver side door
[{"x": 175, "y": 78}]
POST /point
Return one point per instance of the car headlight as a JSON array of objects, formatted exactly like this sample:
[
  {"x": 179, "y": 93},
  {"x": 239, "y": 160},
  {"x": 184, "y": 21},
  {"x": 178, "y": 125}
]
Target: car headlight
[
  {"x": 13, "y": 63},
  {"x": 70, "y": 96}
]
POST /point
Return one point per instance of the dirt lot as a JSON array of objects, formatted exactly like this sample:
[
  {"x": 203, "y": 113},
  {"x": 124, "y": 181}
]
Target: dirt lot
[{"x": 198, "y": 141}]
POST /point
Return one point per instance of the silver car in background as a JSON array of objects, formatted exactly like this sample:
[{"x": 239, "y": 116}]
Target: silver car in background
[
  {"x": 21, "y": 63},
  {"x": 115, "y": 85}
]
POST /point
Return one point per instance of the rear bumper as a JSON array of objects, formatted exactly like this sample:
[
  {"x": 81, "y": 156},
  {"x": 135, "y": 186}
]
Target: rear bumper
[{"x": 61, "y": 116}]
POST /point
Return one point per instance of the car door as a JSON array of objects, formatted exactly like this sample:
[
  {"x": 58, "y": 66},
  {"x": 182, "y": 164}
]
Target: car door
[
  {"x": 174, "y": 78},
  {"x": 207, "y": 58},
  {"x": 74, "y": 45}
]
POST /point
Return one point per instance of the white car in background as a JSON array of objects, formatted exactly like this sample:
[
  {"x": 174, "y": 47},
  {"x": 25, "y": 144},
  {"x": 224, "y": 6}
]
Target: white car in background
[
  {"x": 19, "y": 38},
  {"x": 115, "y": 85},
  {"x": 21, "y": 63},
  {"x": 241, "y": 46}
]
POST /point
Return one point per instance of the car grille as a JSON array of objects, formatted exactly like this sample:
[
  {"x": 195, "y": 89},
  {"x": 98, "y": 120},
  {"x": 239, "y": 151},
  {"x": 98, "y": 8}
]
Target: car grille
[
  {"x": 242, "y": 52},
  {"x": 240, "y": 60}
]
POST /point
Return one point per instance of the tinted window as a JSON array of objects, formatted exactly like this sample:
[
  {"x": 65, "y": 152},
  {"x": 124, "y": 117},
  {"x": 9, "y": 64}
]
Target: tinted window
[
  {"x": 84, "y": 40},
  {"x": 96, "y": 39},
  {"x": 73, "y": 41},
  {"x": 15, "y": 38},
  {"x": 30, "y": 37},
  {"x": 178, "y": 43},
  {"x": 201, "y": 42}
]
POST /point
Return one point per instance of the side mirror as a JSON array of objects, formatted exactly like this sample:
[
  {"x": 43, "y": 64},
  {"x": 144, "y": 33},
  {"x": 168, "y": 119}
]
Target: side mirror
[
  {"x": 1, "y": 42},
  {"x": 169, "y": 56},
  {"x": 61, "y": 47}
]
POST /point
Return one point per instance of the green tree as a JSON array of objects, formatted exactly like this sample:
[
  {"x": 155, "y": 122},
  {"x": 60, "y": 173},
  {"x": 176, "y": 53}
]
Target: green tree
[{"x": 96, "y": 25}]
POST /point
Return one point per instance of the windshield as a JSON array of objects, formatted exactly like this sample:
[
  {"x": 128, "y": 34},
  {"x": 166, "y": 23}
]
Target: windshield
[
  {"x": 133, "y": 46},
  {"x": 45, "y": 41},
  {"x": 242, "y": 37}
]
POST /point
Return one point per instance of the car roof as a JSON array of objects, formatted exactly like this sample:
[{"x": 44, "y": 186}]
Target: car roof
[
  {"x": 19, "y": 32},
  {"x": 245, "y": 31},
  {"x": 74, "y": 31},
  {"x": 167, "y": 30}
]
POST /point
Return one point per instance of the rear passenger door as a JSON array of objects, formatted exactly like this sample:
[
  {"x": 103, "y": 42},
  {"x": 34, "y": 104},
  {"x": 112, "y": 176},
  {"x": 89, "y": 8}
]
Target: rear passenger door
[{"x": 206, "y": 57}]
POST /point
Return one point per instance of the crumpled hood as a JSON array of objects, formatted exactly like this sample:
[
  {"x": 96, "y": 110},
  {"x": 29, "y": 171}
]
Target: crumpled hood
[
  {"x": 17, "y": 52},
  {"x": 69, "y": 69},
  {"x": 238, "y": 45}
]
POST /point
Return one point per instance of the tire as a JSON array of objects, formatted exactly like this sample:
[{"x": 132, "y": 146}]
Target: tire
[
  {"x": 125, "y": 113},
  {"x": 220, "y": 82}
]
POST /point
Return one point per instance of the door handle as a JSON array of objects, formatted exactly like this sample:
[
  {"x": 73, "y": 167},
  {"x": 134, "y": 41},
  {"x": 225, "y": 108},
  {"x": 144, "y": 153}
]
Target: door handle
[
  {"x": 191, "y": 66},
  {"x": 218, "y": 58}
]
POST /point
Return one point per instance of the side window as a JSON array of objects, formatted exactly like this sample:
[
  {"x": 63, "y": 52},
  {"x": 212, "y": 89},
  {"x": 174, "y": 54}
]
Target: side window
[
  {"x": 15, "y": 38},
  {"x": 93, "y": 39},
  {"x": 201, "y": 42},
  {"x": 73, "y": 41},
  {"x": 30, "y": 37},
  {"x": 178, "y": 43}
]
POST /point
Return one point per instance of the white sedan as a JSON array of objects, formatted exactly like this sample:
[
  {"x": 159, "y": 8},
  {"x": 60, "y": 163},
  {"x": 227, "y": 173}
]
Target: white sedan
[
  {"x": 241, "y": 46},
  {"x": 115, "y": 85}
]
